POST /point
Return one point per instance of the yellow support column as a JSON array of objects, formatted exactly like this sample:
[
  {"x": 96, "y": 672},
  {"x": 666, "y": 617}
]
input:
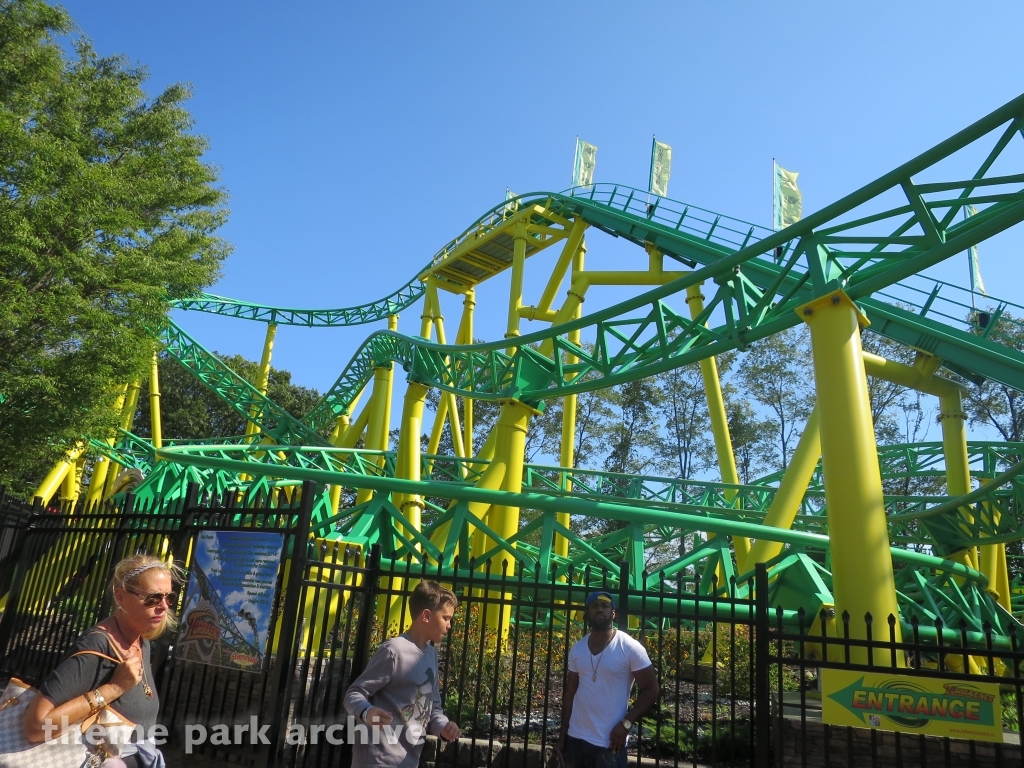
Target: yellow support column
[
  {"x": 567, "y": 457},
  {"x": 786, "y": 503},
  {"x": 72, "y": 485},
  {"x": 127, "y": 420},
  {"x": 510, "y": 449},
  {"x": 408, "y": 464},
  {"x": 991, "y": 558},
  {"x": 430, "y": 303},
  {"x": 263, "y": 376},
  {"x": 719, "y": 425},
  {"x": 340, "y": 427},
  {"x": 451, "y": 407},
  {"x": 380, "y": 411},
  {"x": 490, "y": 479},
  {"x": 385, "y": 424},
  {"x": 466, "y": 337},
  {"x": 56, "y": 476},
  {"x": 952, "y": 419},
  {"x": 515, "y": 296},
  {"x": 862, "y": 576},
  {"x": 156, "y": 432},
  {"x": 101, "y": 467},
  {"x": 410, "y": 505}
]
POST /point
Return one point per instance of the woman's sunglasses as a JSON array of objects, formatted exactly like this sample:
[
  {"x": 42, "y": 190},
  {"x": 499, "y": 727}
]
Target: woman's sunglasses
[{"x": 155, "y": 598}]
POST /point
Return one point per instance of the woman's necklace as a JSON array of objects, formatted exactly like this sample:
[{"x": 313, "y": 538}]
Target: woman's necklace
[{"x": 146, "y": 689}]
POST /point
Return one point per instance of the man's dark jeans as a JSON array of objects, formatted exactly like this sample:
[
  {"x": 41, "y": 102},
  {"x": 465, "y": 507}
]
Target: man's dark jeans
[{"x": 583, "y": 754}]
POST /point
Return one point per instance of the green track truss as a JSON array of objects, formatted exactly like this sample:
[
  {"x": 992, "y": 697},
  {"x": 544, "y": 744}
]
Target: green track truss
[{"x": 872, "y": 244}]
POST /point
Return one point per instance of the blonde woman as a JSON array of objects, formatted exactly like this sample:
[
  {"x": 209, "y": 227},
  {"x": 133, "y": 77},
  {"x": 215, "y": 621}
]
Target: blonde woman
[{"x": 143, "y": 594}]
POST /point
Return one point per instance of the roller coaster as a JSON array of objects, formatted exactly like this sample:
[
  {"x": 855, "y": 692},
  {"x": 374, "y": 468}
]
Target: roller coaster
[{"x": 833, "y": 541}]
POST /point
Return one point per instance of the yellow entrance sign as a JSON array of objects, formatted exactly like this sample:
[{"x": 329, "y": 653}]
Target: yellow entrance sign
[{"x": 926, "y": 705}]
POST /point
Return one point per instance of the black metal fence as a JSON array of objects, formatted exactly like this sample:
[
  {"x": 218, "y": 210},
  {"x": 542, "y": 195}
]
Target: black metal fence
[
  {"x": 502, "y": 668},
  {"x": 738, "y": 686},
  {"x": 798, "y": 659}
]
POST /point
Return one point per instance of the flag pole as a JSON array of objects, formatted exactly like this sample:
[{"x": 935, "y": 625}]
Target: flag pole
[
  {"x": 775, "y": 195},
  {"x": 650, "y": 174},
  {"x": 575, "y": 160}
]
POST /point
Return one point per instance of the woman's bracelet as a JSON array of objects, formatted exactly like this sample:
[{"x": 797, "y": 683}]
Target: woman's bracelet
[
  {"x": 100, "y": 701},
  {"x": 93, "y": 708}
]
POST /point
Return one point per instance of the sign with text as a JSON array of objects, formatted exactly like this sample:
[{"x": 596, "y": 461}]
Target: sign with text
[
  {"x": 231, "y": 589},
  {"x": 926, "y": 705}
]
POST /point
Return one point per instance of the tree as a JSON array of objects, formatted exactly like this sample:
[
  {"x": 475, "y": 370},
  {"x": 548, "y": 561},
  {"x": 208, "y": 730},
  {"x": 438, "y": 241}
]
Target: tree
[
  {"x": 636, "y": 435},
  {"x": 752, "y": 437},
  {"x": 106, "y": 211},
  {"x": 990, "y": 403},
  {"x": 189, "y": 409},
  {"x": 687, "y": 447},
  {"x": 777, "y": 373}
]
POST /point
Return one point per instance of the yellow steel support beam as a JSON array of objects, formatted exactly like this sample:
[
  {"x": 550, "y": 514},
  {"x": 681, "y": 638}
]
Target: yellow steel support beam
[
  {"x": 56, "y": 476},
  {"x": 72, "y": 485},
  {"x": 262, "y": 376},
  {"x": 786, "y": 504},
  {"x": 465, "y": 336},
  {"x": 101, "y": 467},
  {"x": 408, "y": 460},
  {"x": 490, "y": 479},
  {"x": 411, "y": 505},
  {"x": 510, "y": 449},
  {"x": 515, "y": 296},
  {"x": 719, "y": 419},
  {"x": 570, "y": 250},
  {"x": 379, "y": 411},
  {"x": 953, "y": 420},
  {"x": 451, "y": 409},
  {"x": 131, "y": 406},
  {"x": 156, "y": 433},
  {"x": 862, "y": 575},
  {"x": 568, "y": 448}
]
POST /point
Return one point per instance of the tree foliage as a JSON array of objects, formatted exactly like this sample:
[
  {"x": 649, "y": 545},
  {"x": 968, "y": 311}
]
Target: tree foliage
[
  {"x": 777, "y": 373},
  {"x": 188, "y": 409},
  {"x": 995, "y": 405},
  {"x": 106, "y": 209}
]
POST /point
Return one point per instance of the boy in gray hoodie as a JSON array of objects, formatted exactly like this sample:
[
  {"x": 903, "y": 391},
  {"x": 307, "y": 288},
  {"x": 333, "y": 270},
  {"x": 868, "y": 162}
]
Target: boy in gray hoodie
[{"x": 397, "y": 699}]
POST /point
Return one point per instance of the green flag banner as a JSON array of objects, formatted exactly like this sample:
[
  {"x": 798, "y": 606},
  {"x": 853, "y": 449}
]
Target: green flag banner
[
  {"x": 583, "y": 168},
  {"x": 661, "y": 168},
  {"x": 789, "y": 202},
  {"x": 926, "y": 705}
]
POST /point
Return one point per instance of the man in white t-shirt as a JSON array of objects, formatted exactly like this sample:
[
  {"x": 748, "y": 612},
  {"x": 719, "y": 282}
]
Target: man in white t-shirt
[{"x": 602, "y": 668}]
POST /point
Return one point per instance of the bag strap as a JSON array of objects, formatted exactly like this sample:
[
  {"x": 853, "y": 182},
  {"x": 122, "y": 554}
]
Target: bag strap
[
  {"x": 96, "y": 653},
  {"x": 110, "y": 642}
]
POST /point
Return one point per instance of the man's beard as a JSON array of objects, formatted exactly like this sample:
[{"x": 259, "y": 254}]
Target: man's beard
[{"x": 600, "y": 625}]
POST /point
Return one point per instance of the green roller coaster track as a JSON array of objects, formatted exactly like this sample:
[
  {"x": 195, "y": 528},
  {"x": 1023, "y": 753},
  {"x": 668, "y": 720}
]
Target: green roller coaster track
[{"x": 872, "y": 244}]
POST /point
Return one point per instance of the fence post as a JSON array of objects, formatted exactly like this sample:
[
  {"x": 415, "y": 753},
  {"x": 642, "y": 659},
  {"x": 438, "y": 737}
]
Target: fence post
[
  {"x": 762, "y": 705},
  {"x": 289, "y": 619},
  {"x": 179, "y": 541},
  {"x": 622, "y": 614},
  {"x": 364, "y": 632},
  {"x": 24, "y": 564}
]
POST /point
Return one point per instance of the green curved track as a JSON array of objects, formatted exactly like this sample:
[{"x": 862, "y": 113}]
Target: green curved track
[{"x": 873, "y": 244}]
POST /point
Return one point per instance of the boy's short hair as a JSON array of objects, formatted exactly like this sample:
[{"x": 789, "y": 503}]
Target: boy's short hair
[{"x": 429, "y": 595}]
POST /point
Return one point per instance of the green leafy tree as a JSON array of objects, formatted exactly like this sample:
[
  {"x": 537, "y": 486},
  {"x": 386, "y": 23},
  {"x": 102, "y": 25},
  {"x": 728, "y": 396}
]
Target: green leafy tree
[
  {"x": 106, "y": 210},
  {"x": 777, "y": 373},
  {"x": 687, "y": 447},
  {"x": 752, "y": 436},
  {"x": 635, "y": 434},
  {"x": 189, "y": 409},
  {"x": 990, "y": 403}
]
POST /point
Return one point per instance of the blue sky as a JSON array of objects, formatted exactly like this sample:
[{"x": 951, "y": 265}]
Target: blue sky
[{"x": 355, "y": 139}]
